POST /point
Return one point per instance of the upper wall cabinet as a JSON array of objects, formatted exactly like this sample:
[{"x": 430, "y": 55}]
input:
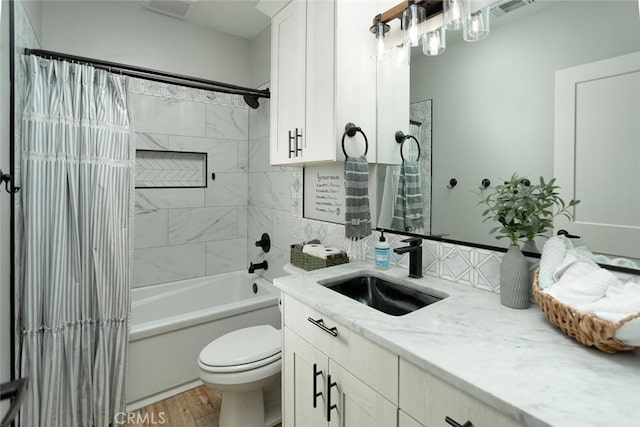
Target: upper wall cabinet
[{"x": 323, "y": 76}]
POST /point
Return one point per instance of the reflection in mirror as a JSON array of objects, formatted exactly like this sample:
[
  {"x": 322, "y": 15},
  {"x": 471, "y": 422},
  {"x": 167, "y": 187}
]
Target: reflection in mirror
[
  {"x": 391, "y": 213},
  {"x": 493, "y": 114}
]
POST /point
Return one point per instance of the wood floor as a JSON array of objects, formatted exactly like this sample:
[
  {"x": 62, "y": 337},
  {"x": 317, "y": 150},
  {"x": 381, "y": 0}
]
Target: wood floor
[{"x": 198, "y": 407}]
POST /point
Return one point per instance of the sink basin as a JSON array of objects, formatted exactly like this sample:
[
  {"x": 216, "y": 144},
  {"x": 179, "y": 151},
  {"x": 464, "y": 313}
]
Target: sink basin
[{"x": 389, "y": 297}]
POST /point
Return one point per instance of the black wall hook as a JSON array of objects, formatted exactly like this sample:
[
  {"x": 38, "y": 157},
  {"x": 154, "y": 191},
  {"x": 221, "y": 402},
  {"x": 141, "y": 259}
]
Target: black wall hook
[
  {"x": 8, "y": 183},
  {"x": 452, "y": 183},
  {"x": 485, "y": 183}
]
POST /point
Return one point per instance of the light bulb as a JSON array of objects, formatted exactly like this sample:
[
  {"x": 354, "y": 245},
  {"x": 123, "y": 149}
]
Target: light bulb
[
  {"x": 411, "y": 19},
  {"x": 476, "y": 25},
  {"x": 454, "y": 13},
  {"x": 380, "y": 49},
  {"x": 434, "y": 43}
]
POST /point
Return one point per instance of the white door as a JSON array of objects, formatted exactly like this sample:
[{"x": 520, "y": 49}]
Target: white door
[{"x": 597, "y": 152}]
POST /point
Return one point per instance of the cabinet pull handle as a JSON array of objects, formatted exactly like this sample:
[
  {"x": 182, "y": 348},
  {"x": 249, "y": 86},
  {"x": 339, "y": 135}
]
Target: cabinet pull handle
[
  {"x": 331, "y": 407},
  {"x": 316, "y": 393},
  {"x": 454, "y": 423},
  {"x": 298, "y": 149},
  {"x": 320, "y": 324},
  {"x": 291, "y": 138}
]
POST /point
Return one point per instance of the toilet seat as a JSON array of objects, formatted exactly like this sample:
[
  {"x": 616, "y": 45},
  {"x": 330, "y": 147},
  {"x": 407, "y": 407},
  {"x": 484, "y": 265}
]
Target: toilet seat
[{"x": 242, "y": 350}]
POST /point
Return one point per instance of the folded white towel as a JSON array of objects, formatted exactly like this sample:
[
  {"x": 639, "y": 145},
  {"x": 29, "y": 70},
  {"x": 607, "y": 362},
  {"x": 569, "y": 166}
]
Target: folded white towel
[
  {"x": 620, "y": 301},
  {"x": 576, "y": 290},
  {"x": 574, "y": 266},
  {"x": 553, "y": 254},
  {"x": 629, "y": 333}
]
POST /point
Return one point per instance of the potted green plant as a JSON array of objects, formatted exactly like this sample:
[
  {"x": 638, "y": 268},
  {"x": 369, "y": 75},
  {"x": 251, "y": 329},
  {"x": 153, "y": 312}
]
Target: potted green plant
[{"x": 523, "y": 211}]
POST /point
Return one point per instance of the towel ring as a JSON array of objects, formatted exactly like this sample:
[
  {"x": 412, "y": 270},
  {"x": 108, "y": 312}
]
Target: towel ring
[
  {"x": 350, "y": 130},
  {"x": 401, "y": 138}
]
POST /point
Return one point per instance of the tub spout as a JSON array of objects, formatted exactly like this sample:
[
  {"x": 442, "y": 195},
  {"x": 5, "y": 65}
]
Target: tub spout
[{"x": 259, "y": 266}]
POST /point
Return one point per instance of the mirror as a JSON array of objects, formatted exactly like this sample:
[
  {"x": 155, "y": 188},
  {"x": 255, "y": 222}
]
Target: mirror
[{"x": 493, "y": 112}]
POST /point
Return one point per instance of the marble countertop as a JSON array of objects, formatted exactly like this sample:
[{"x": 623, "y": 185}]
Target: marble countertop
[{"x": 513, "y": 360}]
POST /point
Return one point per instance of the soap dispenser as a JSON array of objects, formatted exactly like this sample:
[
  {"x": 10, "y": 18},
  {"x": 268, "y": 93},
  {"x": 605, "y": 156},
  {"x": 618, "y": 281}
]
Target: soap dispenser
[{"x": 382, "y": 254}]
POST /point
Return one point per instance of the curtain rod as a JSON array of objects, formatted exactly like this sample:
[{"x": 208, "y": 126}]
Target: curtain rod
[{"x": 155, "y": 75}]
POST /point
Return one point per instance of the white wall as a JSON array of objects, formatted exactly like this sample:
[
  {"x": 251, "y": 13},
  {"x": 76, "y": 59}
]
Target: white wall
[
  {"x": 261, "y": 58},
  {"x": 499, "y": 108},
  {"x": 33, "y": 9},
  {"x": 114, "y": 31}
]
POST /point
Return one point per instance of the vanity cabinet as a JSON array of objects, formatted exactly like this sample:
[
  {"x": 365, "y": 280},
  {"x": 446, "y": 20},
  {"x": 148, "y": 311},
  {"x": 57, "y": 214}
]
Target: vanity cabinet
[
  {"x": 323, "y": 75},
  {"x": 343, "y": 380},
  {"x": 427, "y": 401}
]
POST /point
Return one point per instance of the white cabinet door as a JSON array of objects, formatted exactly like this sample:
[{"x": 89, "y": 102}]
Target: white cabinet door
[
  {"x": 318, "y": 144},
  {"x": 597, "y": 152},
  {"x": 288, "y": 47},
  {"x": 304, "y": 373},
  {"x": 405, "y": 420},
  {"x": 356, "y": 404}
]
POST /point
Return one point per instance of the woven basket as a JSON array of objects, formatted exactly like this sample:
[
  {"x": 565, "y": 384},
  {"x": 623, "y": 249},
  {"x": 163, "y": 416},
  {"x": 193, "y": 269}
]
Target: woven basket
[
  {"x": 310, "y": 262},
  {"x": 585, "y": 328}
]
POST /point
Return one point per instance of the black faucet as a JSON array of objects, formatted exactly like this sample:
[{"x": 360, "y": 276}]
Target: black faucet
[
  {"x": 415, "y": 255},
  {"x": 261, "y": 265}
]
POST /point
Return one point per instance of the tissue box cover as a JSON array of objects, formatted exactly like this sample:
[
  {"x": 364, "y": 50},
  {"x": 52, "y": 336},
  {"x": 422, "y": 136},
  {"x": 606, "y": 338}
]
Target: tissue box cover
[{"x": 310, "y": 262}]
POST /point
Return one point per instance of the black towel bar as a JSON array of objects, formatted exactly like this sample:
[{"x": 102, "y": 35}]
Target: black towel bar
[{"x": 350, "y": 130}]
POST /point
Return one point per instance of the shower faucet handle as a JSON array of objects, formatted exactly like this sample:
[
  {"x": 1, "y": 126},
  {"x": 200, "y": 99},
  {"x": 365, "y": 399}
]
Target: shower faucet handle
[{"x": 264, "y": 242}]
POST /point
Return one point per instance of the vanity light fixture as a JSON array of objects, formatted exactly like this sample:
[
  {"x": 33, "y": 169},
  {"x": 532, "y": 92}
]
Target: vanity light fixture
[
  {"x": 456, "y": 15},
  {"x": 379, "y": 28},
  {"x": 434, "y": 42},
  {"x": 476, "y": 25}
]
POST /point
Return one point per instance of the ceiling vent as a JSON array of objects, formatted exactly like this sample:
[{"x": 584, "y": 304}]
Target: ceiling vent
[
  {"x": 509, "y": 6},
  {"x": 176, "y": 8}
]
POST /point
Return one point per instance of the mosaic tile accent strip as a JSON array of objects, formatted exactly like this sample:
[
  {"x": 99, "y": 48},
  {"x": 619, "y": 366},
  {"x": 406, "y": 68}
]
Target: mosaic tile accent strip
[
  {"x": 169, "y": 91},
  {"x": 170, "y": 169}
]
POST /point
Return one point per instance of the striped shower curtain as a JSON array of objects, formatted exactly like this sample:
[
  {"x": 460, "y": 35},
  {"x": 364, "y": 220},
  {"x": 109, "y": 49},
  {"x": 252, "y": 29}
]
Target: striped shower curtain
[{"x": 77, "y": 169}]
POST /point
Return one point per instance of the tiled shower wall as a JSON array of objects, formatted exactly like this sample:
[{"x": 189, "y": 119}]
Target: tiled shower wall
[{"x": 182, "y": 233}]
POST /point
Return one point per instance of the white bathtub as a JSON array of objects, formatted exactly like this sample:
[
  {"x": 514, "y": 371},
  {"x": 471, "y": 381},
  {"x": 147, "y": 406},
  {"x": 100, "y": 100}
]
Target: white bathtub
[{"x": 172, "y": 322}]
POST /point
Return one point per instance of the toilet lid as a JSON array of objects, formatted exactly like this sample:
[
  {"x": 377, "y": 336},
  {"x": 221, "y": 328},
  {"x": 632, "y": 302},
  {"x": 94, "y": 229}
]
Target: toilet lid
[{"x": 242, "y": 347}]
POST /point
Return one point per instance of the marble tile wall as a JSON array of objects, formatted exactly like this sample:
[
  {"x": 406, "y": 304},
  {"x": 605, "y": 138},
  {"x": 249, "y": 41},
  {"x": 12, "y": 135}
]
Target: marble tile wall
[{"x": 190, "y": 232}]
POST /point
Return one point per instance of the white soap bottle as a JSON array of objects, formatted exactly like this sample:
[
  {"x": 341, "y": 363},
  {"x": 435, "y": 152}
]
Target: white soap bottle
[{"x": 382, "y": 254}]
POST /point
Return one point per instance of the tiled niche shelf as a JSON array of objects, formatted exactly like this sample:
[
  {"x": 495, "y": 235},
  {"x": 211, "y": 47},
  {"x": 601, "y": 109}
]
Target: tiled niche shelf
[{"x": 171, "y": 169}]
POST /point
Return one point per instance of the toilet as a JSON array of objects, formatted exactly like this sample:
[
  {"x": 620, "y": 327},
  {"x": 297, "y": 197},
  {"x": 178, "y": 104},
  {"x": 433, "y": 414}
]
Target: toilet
[{"x": 245, "y": 366}]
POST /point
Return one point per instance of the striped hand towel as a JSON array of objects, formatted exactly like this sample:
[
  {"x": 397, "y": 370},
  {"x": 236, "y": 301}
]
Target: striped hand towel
[
  {"x": 356, "y": 186},
  {"x": 407, "y": 212}
]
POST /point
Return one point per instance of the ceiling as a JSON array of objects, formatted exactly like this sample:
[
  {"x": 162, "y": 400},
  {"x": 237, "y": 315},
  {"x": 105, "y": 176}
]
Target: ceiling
[{"x": 236, "y": 17}]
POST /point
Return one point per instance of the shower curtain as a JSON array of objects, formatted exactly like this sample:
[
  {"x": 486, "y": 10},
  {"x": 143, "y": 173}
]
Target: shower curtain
[{"x": 77, "y": 171}]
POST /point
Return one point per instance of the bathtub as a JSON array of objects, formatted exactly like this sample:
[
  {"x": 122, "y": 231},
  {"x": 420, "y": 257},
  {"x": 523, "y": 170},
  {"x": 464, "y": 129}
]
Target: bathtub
[{"x": 172, "y": 322}]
